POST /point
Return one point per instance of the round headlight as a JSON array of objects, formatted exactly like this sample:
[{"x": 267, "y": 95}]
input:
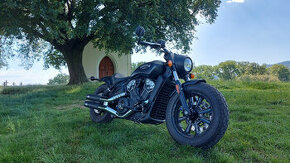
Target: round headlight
[{"x": 187, "y": 65}]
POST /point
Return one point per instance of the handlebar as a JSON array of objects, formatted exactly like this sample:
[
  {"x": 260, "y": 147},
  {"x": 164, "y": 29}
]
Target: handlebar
[
  {"x": 152, "y": 45},
  {"x": 167, "y": 55}
]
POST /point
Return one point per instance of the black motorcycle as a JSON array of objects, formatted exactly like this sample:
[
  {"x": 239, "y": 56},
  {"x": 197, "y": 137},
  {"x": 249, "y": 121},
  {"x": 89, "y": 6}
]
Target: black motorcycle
[{"x": 195, "y": 113}]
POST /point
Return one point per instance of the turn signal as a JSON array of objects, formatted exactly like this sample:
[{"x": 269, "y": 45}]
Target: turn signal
[
  {"x": 191, "y": 76},
  {"x": 177, "y": 88},
  {"x": 169, "y": 63}
]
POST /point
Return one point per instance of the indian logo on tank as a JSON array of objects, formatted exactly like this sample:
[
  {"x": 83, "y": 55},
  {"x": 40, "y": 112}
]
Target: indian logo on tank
[{"x": 145, "y": 66}]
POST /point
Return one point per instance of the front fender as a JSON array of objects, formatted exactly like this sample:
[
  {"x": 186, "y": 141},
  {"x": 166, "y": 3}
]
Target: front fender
[
  {"x": 191, "y": 82},
  {"x": 187, "y": 83}
]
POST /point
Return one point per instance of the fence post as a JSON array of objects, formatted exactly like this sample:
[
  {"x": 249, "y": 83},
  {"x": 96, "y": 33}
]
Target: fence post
[{"x": 5, "y": 83}]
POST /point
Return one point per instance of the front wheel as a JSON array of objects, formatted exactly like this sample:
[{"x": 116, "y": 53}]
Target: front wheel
[{"x": 208, "y": 120}]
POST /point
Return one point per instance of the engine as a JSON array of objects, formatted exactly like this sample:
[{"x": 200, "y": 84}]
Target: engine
[{"x": 140, "y": 90}]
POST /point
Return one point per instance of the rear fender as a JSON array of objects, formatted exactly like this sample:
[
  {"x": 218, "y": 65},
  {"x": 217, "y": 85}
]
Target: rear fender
[{"x": 107, "y": 80}]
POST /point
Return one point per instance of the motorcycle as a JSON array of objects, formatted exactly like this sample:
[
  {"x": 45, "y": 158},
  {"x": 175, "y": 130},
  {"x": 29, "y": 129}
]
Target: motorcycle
[{"x": 195, "y": 112}]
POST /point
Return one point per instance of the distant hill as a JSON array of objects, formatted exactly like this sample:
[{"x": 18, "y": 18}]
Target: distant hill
[{"x": 285, "y": 63}]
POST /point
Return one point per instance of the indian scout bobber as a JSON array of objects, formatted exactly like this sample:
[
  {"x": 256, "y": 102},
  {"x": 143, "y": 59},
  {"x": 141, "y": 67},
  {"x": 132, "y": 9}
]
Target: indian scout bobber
[{"x": 195, "y": 113}]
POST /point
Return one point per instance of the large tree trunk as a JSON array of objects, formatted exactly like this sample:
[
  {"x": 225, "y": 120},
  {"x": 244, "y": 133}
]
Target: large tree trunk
[{"x": 73, "y": 57}]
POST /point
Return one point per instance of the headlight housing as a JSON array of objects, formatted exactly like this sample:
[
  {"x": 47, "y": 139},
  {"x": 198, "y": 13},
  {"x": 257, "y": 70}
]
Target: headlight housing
[{"x": 183, "y": 64}]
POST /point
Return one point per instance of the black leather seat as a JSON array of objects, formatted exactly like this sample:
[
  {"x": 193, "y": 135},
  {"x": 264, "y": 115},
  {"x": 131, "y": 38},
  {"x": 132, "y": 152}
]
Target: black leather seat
[{"x": 116, "y": 78}]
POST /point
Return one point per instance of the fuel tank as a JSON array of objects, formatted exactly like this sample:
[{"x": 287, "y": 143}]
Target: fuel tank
[{"x": 149, "y": 70}]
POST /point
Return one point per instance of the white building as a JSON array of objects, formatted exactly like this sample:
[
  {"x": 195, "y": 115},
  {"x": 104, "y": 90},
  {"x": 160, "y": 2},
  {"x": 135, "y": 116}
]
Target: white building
[{"x": 97, "y": 63}]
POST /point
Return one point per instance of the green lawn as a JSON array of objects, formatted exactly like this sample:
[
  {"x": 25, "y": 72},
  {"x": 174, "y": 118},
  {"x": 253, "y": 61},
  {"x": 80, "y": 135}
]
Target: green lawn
[{"x": 49, "y": 124}]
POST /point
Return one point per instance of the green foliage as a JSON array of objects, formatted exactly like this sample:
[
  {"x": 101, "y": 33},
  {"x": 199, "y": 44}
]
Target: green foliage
[
  {"x": 265, "y": 78},
  {"x": 242, "y": 66},
  {"x": 204, "y": 72},
  {"x": 256, "y": 69},
  {"x": 243, "y": 71},
  {"x": 227, "y": 70},
  {"x": 55, "y": 59},
  {"x": 281, "y": 71},
  {"x": 19, "y": 89},
  {"x": 42, "y": 29},
  {"x": 2, "y": 63},
  {"x": 134, "y": 66},
  {"x": 60, "y": 79},
  {"x": 49, "y": 124}
]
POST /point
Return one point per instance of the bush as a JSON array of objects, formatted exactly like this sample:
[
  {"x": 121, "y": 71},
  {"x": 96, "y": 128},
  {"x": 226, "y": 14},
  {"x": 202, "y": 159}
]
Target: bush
[
  {"x": 281, "y": 71},
  {"x": 265, "y": 78},
  {"x": 204, "y": 72},
  {"x": 227, "y": 70},
  {"x": 60, "y": 79},
  {"x": 19, "y": 90}
]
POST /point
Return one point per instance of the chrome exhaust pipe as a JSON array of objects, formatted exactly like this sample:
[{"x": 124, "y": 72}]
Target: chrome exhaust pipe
[
  {"x": 98, "y": 98},
  {"x": 94, "y": 105}
]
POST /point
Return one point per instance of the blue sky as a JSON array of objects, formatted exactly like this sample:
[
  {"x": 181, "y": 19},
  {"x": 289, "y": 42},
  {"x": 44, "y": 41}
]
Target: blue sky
[
  {"x": 245, "y": 30},
  {"x": 255, "y": 30}
]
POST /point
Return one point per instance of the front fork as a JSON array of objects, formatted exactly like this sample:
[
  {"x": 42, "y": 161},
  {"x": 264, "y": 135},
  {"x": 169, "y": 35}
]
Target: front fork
[{"x": 181, "y": 94}]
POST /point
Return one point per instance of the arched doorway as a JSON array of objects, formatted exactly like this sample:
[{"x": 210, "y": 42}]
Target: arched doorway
[{"x": 106, "y": 67}]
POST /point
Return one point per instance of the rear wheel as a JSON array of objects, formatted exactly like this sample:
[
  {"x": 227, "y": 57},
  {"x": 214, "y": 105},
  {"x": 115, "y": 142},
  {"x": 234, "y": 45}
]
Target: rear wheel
[
  {"x": 208, "y": 120},
  {"x": 99, "y": 116}
]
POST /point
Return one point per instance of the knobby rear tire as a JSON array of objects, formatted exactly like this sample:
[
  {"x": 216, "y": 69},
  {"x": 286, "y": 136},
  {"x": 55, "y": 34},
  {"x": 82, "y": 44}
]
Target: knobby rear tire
[{"x": 105, "y": 117}]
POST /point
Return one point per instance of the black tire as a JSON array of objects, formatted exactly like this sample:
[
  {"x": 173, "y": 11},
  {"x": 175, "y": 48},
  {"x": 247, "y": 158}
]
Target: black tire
[
  {"x": 218, "y": 120},
  {"x": 102, "y": 116}
]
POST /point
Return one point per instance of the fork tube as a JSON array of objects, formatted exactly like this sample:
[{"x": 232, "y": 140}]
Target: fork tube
[{"x": 180, "y": 92}]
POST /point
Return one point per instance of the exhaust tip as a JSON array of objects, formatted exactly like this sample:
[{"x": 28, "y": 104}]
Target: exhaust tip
[{"x": 91, "y": 104}]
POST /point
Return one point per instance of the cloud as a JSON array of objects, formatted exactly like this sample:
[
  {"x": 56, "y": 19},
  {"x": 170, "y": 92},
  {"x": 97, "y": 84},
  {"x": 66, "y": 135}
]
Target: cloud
[{"x": 235, "y": 1}]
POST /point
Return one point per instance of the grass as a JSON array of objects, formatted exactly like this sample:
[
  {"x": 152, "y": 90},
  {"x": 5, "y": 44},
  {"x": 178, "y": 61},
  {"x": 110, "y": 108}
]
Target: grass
[{"x": 49, "y": 124}]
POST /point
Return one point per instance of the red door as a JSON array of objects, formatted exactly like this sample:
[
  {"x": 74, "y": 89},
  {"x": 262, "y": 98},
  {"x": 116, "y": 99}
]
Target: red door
[{"x": 106, "y": 67}]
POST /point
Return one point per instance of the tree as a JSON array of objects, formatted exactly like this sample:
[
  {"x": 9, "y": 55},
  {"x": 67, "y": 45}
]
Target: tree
[
  {"x": 256, "y": 69},
  {"x": 58, "y": 30},
  {"x": 204, "y": 72},
  {"x": 2, "y": 63},
  {"x": 60, "y": 79},
  {"x": 227, "y": 70},
  {"x": 242, "y": 67},
  {"x": 281, "y": 71}
]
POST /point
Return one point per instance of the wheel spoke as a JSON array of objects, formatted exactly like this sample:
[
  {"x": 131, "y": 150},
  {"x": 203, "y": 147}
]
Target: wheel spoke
[
  {"x": 205, "y": 111},
  {"x": 199, "y": 120},
  {"x": 204, "y": 120},
  {"x": 191, "y": 102},
  {"x": 200, "y": 99},
  {"x": 188, "y": 128},
  {"x": 181, "y": 119},
  {"x": 196, "y": 128}
]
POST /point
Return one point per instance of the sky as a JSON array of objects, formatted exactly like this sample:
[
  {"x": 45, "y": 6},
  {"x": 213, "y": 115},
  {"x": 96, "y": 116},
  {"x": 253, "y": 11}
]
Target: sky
[{"x": 245, "y": 30}]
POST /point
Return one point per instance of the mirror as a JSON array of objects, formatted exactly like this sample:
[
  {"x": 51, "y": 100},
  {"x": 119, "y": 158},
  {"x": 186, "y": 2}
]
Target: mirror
[{"x": 140, "y": 31}]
